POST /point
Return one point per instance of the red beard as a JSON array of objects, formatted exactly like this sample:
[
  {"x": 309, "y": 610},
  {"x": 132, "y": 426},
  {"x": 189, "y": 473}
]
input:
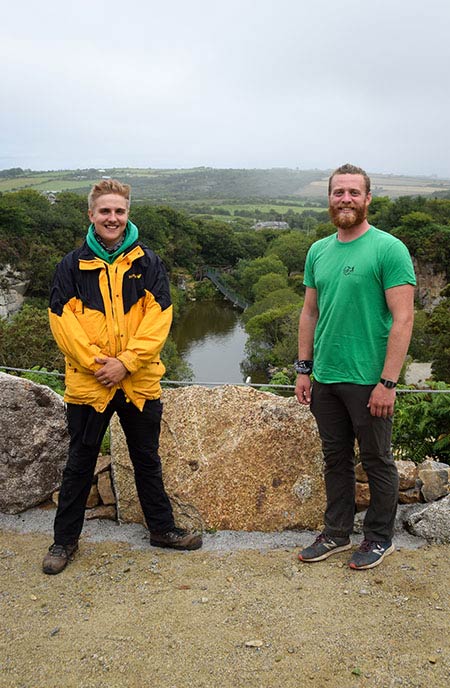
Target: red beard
[{"x": 347, "y": 220}]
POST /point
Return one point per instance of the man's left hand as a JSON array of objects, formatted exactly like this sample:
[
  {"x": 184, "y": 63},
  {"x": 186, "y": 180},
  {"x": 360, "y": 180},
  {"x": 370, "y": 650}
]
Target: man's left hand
[
  {"x": 381, "y": 401},
  {"x": 111, "y": 372}
]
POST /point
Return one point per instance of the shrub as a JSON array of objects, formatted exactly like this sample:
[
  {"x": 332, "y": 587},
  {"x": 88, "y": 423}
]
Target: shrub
[{"x": 422, "y": 425}]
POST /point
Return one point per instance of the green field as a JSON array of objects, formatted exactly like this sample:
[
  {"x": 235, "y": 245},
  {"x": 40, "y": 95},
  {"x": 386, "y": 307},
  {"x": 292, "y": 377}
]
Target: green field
[
  {"x": 263, "y": 207},
  {"x": 45, "y": 182}
]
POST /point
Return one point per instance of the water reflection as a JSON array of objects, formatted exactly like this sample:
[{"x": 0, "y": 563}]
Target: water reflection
[{"x": 211, "y": 338}]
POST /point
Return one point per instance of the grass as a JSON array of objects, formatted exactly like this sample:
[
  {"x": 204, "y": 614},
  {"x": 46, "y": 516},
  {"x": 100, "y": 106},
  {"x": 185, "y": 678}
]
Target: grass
[{"x": 48, "y": 181}]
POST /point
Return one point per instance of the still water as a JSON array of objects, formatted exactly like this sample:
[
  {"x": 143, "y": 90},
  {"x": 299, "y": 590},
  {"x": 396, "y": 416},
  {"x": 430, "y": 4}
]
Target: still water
[{"x": 211, "y": 338}]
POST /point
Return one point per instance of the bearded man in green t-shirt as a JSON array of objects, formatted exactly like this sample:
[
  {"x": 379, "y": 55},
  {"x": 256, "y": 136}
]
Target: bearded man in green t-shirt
[{"x": 354, "y": 333}]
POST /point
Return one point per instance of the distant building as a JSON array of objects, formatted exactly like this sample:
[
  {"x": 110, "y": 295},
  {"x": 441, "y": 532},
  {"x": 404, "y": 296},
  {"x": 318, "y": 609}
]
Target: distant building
[
  {"x": 272, "y": 224},
  {"x": 50, "y": 196}
]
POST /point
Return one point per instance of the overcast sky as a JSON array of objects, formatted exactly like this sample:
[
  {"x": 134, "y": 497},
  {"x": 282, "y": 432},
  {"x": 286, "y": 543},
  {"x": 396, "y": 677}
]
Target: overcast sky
[{"x": 241, "y": 83}]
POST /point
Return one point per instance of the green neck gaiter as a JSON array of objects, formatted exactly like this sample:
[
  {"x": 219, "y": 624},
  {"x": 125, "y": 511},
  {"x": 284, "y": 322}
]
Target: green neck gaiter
[{"x": 130, "y": 236}]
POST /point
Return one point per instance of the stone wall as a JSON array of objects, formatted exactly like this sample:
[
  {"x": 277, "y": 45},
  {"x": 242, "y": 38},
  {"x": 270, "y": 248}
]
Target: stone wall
[{"x": 418, "y": 483}]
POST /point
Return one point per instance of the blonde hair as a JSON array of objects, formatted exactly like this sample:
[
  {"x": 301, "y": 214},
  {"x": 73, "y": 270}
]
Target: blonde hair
[{"x": 108, "y": 186}]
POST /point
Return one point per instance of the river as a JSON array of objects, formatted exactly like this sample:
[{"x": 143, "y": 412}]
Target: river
[{"x": 210, "y": 336}]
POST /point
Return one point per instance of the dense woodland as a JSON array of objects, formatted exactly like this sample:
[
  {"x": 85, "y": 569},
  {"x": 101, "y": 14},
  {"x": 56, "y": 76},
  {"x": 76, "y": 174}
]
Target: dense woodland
[{"x": 264, "y": 266}]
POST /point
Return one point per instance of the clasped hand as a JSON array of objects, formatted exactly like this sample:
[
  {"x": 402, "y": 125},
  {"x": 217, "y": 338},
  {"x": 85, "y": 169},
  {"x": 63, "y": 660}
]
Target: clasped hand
[{"x": 111, "y": 372}]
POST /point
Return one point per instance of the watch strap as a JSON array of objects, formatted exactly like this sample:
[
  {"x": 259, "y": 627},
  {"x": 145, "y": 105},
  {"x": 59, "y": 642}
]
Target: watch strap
[
  {"x": 390, "y": 384},
  {"x": 303, "y": 367}
]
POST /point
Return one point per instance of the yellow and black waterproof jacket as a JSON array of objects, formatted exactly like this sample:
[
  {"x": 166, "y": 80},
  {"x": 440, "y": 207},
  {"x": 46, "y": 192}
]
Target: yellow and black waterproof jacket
[{"x": 122, "y": 310}]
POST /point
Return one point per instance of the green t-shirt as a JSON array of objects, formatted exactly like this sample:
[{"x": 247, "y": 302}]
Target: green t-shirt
[{"x": 354, "y": 321}]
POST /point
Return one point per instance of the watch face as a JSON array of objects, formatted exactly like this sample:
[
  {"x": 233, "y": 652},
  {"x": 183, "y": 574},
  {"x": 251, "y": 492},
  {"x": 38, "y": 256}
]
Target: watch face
[{"x": 303, "y": 367}]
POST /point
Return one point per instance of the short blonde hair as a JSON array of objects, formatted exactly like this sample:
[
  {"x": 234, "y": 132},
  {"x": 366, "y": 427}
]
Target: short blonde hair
[{"x": 108, "y": 186}]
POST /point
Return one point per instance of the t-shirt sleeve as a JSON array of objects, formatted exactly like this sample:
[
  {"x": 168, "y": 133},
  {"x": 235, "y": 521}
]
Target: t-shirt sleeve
[
  {"x": 308, "y": 277},
  {"x": 397, "y": 266}
]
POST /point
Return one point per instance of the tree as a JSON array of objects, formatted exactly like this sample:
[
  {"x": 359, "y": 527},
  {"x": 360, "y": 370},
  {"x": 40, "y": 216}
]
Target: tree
[
  {"x": 218, "y": 243},
  {"x": 42, "y": 261},
  {"x": 249, "y": 272},
  {"x": 251, "y": 244},
  {"x": 267, "y": 284},
  {"x": 276, "y": 299},
  {"x": 176, "y": 368},
  {"x": 26, "y": 341},
  {"x": 378, "y": 210},
  {"x": 268, "y": 335},
  {"x": 324, "y": 229},
  {"x": 291, "y": 248},
  {"x": 422, "y": 425},
  {"x": 426, "y": 240},
  {"x": 422, "y": 339},
  {"x": 439, "y": 325}
]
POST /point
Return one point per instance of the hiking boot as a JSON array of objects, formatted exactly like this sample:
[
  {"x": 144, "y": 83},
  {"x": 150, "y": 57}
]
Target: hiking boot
[
  {"x": 323, "y": 547},
  {"x": 57, "y": 557},
  {"x": 370, "y": 553},
  {"x": 176, "y": 538}
]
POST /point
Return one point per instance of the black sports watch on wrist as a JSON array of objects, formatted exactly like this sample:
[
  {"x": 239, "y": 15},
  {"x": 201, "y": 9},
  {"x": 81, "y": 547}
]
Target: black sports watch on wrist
[
  {"x": 390, "y": 384},
  {"x": 303, "y": 367}
]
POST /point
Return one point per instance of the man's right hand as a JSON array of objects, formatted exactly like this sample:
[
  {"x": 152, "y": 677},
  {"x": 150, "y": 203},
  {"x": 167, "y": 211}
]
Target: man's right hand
[{"x": 303, "y": 389}]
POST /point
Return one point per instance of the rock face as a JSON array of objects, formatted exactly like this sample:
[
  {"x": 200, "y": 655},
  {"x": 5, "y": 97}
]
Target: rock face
[
  {"x": 13, "y": 286},
  {"x": 430, "y": 284},
  {"x": 432, "y": 522},
  {"x": 33, "y": 443},
  {"x": 242, "y": 459}
]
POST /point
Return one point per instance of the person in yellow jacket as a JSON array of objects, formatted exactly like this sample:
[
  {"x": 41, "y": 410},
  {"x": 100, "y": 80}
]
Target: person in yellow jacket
[{"x": 110, "y": 313}]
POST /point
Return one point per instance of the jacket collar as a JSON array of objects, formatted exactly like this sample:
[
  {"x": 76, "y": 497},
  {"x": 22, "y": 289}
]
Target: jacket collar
[{"x": 89, "y": 261}]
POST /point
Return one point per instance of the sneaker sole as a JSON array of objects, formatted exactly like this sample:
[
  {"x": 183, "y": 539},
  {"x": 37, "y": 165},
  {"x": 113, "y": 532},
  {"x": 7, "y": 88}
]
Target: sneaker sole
[
  {"x": 355, "y": 567},
  {"x": 335, "y": 550}
]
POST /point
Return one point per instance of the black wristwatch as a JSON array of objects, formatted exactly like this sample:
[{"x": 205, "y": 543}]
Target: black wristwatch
[
  {"x": 390, "y": 384},
  {"x": 303, "y": 367}
]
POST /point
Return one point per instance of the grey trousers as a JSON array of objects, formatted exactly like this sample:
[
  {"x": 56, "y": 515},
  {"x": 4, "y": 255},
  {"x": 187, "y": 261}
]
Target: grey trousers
[{"x": 342, "y": 416}]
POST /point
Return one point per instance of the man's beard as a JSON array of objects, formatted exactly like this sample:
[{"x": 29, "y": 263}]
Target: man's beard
[{"x": 347, "y": 220}]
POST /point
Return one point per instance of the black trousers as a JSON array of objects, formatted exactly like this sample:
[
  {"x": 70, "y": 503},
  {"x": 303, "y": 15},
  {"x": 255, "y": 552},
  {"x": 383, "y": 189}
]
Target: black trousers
[
  {"x": 342, "y": 415},
  {"x": 86, "y": 429}
]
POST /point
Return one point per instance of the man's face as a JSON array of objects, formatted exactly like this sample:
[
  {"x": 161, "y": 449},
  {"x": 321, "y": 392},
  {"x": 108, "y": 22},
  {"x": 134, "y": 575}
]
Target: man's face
[
  {"x": 348, "y": 200},
  {"x": 109, "y": 217}
]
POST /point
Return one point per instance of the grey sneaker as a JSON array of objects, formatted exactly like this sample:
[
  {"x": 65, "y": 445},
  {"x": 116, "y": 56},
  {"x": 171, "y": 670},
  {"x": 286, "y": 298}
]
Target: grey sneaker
[
  {"x": 370, "y": 553},
  {"x": 323, "y": 547},
  {"x": 57, "y": 557},
  {"x": 176, "y": 538}
]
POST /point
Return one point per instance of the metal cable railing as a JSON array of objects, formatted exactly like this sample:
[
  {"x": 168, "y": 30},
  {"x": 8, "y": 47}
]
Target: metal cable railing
[{"x": 188, "y": 383}]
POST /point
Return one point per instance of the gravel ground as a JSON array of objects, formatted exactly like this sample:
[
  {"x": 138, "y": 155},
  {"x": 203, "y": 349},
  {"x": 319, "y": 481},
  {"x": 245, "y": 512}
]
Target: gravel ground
[{"x": 241, "y": 612}]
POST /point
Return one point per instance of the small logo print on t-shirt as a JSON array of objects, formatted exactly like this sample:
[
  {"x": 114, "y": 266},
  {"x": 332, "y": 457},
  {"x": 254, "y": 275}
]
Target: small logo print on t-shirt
[{"x": 348, "y": 270}]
